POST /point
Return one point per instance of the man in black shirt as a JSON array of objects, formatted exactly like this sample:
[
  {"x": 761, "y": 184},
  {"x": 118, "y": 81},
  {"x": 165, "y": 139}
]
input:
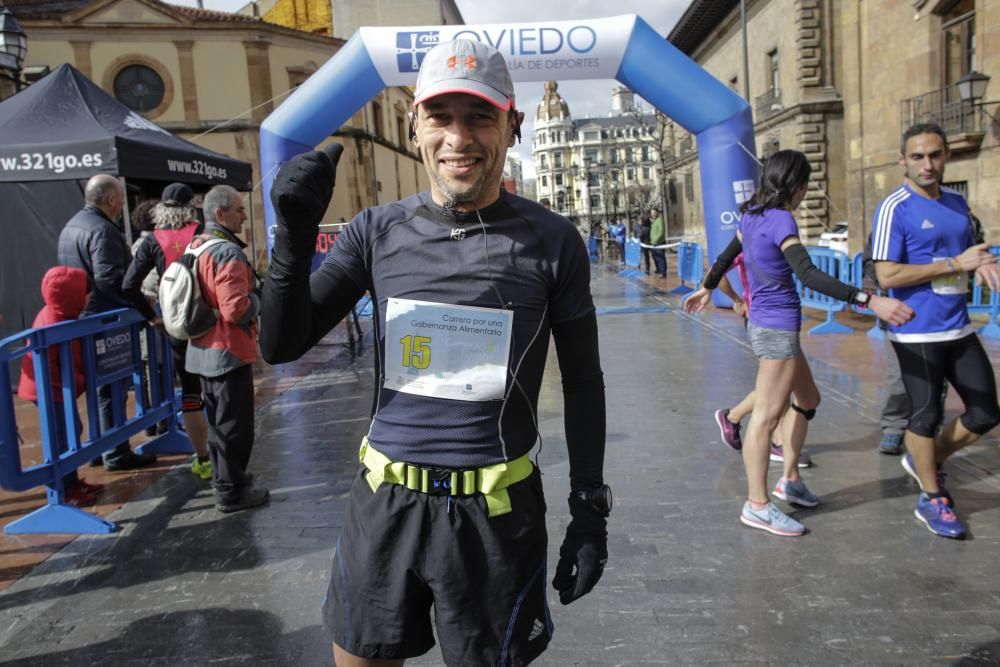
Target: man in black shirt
[{"x": 467, "y": 282}]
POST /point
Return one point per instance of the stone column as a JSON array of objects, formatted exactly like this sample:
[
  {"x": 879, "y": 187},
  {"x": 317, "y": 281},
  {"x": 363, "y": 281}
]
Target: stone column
[
  {"x": 811, "y": 135},
  {"x": 81, "y": 58},
  {"x": 259, "y": 75},
  {"x": 189, "y": 90}
]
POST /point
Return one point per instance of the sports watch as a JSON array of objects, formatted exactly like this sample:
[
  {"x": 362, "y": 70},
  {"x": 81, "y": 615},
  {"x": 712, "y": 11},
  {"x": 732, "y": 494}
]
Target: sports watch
[
  {"x": 862, "y": 298},
  {"x": 600, "y": 497}
]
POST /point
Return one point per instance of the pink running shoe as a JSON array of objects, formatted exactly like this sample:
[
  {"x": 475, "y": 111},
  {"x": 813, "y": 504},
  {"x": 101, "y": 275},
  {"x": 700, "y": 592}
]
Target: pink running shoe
[{"x": 729, "y": 431}]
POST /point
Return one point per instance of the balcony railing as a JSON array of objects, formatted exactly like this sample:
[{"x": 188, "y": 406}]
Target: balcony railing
[
  {"x": 944, "y": 107},
  {"x": 768, "y": 104}
]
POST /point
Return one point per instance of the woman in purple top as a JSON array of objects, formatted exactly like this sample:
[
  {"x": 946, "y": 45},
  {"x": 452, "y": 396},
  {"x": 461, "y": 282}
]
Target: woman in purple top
[{"x": 769, "y": 239}]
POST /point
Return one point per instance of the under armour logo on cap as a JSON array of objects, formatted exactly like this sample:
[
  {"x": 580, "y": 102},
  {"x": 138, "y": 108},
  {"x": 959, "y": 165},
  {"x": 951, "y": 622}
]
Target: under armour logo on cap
[
  {"x": 469, "y": 62},
  {"x": 469, "y": 67}
]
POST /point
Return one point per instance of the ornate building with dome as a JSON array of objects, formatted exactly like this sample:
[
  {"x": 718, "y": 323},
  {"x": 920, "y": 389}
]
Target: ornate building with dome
[{"x": 597, "y": 169}]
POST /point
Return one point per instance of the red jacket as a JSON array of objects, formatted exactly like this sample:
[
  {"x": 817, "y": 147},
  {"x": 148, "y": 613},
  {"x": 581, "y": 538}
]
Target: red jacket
[
  {"x": 227, "y": 285},
  {"x": 65, "y": 292}
]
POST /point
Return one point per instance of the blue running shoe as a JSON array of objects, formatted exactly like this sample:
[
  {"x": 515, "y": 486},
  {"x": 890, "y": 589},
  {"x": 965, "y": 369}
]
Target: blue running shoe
[
  {"x": 771, "y": 519},
  {"x": 937, "y": 515},
  {"x": 907, "y": 463},
  {"x": 795, "y": 493},
  {"x": 891, "y": 444}
]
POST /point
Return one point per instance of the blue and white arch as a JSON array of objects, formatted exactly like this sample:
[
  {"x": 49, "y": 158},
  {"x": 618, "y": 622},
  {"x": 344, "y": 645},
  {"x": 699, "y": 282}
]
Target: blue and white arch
[{"x": 625, "y": 48}]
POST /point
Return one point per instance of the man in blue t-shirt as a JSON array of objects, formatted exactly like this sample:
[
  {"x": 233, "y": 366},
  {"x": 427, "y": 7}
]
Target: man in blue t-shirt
[{"x": 923, "y": 251}]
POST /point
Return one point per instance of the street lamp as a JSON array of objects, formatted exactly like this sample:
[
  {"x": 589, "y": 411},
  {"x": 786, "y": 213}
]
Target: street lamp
[
  {"x": 972, "y": 87},
  {"x": 585, "y": 197},
  {"x": 13, "y": 46}
]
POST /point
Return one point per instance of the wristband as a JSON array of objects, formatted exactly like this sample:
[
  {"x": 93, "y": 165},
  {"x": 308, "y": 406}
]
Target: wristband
[{"x": 951, "y": 265}]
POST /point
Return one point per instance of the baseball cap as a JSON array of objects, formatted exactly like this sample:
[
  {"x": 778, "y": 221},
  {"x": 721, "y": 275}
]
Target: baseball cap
[
  {"x": 465, "y": 66},
  {"x": 177, "y": 194}
]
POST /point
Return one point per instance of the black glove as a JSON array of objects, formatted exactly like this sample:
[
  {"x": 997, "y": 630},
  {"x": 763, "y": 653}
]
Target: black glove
[
  {"x": 301, "y": 193},
  {"x": 585, "y": 549}
]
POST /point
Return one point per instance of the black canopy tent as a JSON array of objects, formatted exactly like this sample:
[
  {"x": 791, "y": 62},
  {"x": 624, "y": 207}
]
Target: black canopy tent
[{"x": 53, "y": 135}]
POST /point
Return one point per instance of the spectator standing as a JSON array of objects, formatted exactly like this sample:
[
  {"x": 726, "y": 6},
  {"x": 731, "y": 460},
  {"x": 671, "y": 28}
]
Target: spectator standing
[
  {"x": 224, "y": 356},
  {"x": 175, "y": 225},
  {"x": 92, "y": 241},
  {"x": 645, "y": 233},
  {"x": 658, "y": 237}
]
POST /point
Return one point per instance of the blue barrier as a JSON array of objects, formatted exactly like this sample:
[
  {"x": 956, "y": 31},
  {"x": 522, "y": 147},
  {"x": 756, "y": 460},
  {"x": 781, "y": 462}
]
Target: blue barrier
[
  {"x": 633, "y": 259},
  {"x": 112, "y": 356},
  {"x": 633, "y": 254},
  {"x": 991, "y": 330},
  {"x": 836, "y": 264},
  {"x": 856, "y": 275},
  {"x": 690, "y": 266}
]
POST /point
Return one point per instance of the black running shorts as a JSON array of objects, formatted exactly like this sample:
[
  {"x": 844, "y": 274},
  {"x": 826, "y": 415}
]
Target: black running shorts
[
  {"x": 965, "y": 365},
  {"x": 400, "y": 552}
]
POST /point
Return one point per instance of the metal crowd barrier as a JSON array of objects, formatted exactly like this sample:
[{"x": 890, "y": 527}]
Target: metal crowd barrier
[
  {"x": 633, "y": 258},
  {"x": 856, "y": 273},
  {"x": 690, "y": 266},
  {"x": 980, "y": 304},
  {"x": 836, "y": 264},
  {"x": 112, "y": 356}
]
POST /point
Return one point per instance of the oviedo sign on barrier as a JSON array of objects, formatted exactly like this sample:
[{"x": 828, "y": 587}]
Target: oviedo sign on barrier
[
  {"x": 625, "y": 48},
  {"x": 113, "y": 357}
]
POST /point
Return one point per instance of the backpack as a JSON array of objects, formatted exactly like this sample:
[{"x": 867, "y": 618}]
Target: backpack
[{"x": 182, "y": 306}]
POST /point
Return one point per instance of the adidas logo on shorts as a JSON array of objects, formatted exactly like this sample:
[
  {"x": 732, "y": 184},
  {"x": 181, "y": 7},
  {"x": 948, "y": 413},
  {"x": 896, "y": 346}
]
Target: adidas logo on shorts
[{"x": 536, "y": 630}]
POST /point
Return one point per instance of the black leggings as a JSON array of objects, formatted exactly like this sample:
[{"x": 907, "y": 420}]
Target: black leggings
[{"x": 964, "y": 364}]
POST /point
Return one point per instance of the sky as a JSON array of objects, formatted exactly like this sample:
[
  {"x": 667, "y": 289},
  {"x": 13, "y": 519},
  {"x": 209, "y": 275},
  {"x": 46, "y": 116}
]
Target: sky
[{"x": 585, "y": 98}]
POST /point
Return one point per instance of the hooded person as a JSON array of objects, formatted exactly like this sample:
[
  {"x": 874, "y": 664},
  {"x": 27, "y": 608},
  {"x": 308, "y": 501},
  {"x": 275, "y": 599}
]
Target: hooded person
[{"x": 65, "y": 291}]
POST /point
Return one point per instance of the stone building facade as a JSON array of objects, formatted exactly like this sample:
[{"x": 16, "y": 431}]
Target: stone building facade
[
  {"x": 596, "y": 169},
  {"x": 841, "y": 85},
  {"x": 793, "y": 90},
  {"x": 901, "y": 62},
  {"x": 212, "y": 77}
]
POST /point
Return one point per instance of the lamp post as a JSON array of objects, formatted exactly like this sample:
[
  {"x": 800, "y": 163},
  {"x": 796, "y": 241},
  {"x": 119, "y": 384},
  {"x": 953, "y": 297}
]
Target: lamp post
[
  {"x": 13, "y": 46},
  {"x": 585, "y": 196},
  {"x": 971, "y": 88}
]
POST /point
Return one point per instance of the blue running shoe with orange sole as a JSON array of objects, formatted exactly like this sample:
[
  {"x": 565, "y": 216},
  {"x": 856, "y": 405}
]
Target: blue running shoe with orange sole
[{"x": 940, "y": 519}]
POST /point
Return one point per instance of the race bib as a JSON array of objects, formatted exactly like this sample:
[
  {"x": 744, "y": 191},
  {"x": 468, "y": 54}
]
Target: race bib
[
  {"x": 446, "y": 351},
  {"x": 956, "y": 283}
]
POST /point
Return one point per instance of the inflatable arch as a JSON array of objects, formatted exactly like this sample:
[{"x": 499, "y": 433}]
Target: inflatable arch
[{"x": 625, "y": 48}]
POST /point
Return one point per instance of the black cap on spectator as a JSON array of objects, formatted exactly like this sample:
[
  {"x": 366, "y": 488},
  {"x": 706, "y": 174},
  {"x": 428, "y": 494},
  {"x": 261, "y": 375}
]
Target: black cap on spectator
[{"x": 177, "y": 194}]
